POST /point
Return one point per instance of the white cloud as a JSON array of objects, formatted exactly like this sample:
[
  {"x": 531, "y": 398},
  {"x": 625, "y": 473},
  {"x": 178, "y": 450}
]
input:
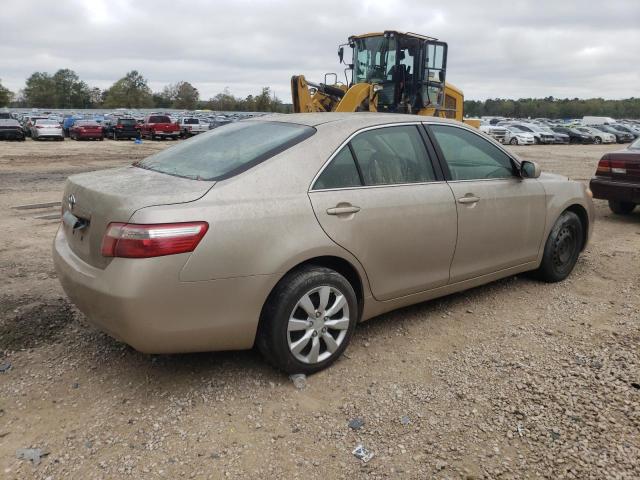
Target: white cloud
[{"x": 496, "y": 48}]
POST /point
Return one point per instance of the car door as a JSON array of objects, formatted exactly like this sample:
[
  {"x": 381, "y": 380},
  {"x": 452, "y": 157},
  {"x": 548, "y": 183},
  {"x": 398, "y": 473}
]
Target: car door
[
  {"x": 381, "y": 198},
  {"x": 501, "y": 216}
]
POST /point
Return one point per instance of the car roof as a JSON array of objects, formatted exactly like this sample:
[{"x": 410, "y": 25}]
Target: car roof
[{"x": 354, "y": 119}]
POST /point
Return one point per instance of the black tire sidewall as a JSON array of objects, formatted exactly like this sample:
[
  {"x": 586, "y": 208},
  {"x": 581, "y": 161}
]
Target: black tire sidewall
[
  {"x": 272, "y": 334},
  {"x": 548, "y": 271}
]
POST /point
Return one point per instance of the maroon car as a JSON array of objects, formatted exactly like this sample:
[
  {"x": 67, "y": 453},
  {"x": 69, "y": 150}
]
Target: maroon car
[
  {"x": 87, "y": 130},
  {"x": 618, "y": 179}
]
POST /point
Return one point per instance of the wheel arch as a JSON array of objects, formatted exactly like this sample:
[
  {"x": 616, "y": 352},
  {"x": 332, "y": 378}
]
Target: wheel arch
[
  {"x": 342, "y": 266},
  {"x": 582, "y": 214}
]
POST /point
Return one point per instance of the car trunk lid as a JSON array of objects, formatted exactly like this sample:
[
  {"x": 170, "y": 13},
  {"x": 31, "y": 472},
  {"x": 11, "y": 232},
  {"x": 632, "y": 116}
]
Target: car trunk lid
[
  {"x": 625, "y": 165},
  {"x": 93, "y": 200}
]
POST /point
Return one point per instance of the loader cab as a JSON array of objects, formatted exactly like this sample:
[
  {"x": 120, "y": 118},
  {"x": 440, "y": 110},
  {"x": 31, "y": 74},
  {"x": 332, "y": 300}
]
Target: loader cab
[{"x": 409, "y": 69}]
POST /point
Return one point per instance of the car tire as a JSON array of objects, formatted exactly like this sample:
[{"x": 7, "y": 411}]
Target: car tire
[
  {"x": 311, "y": 345},
  {"x": 561, "y": 249},
  {"x": 597, "y": 140},
  {"x": 513, "y": 141},
  {"x": 621, "y": 208}
]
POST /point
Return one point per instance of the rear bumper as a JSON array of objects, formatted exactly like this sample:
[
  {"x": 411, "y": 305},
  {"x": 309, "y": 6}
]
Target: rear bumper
[
  {"x": 142, "y": 302},
  {"x": 50, "y": 134},
  {"x": 90, "y": 135},
  {"x": 126, "y": 133},
  {"x": 606, "y": 189}
]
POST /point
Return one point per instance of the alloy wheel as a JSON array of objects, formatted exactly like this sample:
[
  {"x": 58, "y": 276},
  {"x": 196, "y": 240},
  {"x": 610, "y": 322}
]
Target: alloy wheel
[{"x": 318, "y": 324}]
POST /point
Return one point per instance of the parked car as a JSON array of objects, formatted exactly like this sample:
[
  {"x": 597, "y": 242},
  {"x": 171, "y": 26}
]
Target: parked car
[
  {"x": 575, "y": 136},
  {"x": 122, "y": 127},
  {"x": 28, "y": 122},
  {"x": 190, "y": 126},
  {"x": 45, "y": 128},
  {"x": 496, "y": 132},
  {"x": 621, "y": 137},
  {"x": 559, "y": 138},
  {"x": 598, "y": 135},
  {"x": 209, "y": 246},
  {"x": 5, "y": 116},
  {"x": 159, "y": 126},
  {"x": 617, "y": 179},
  {"x": 539, "y": 134},
  {"x": 11, "y": 129},
  {"x": 624, "y": 128},
  {"x": 86, "y": 130},
  {"x": 68, "y": 122},
  {"x": 516, "y": 136}
]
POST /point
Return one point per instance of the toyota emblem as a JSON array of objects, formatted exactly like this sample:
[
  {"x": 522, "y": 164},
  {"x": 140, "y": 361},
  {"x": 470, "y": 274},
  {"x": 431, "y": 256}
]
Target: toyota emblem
[{"x": 71, "y": 201}]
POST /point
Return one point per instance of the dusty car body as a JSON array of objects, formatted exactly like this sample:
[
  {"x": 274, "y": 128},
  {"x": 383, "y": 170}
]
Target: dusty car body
[
  {"x": 86, "y": 130},
  {"x": 349, "y": 216}
]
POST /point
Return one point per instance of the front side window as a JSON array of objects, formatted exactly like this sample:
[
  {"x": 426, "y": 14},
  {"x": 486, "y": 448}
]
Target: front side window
[
  {"x": 227, "y": 150},
  {"x": 469, "y": 156},
  {"x": 392, "y": 155}
]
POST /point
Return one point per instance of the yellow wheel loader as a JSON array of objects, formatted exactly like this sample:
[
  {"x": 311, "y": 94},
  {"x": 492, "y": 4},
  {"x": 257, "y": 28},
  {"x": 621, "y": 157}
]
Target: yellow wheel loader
[{"x": 390, "y": 72}]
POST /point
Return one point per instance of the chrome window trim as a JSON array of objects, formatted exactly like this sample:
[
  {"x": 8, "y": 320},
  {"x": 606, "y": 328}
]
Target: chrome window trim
[{"x": 346, "y": 142}]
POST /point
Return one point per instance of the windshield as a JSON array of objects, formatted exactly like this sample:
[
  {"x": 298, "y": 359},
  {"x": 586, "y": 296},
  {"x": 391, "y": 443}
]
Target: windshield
[
  {"x": 227, "y": 150},
  {"x": 374, "y": 57}
]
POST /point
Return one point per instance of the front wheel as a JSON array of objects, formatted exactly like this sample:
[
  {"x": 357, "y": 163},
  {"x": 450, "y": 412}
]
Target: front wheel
[
  {"x": 597, "y": 140},
  {"x": 621, "y": 208},
  {"x": 308, "y": 320},
  {"x": 513, "y": 141},
  {"x": 561, "y": 249}
]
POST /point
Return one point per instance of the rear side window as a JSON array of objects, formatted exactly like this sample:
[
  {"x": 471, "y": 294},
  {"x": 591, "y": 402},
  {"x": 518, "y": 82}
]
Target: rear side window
[
  {"x": 469, "y": 156},
  {"x": 228, "y": 150},
  {"x": 159, "y": 119},
  {"x": 340, "y": 173},
  {"x": 392, "y": 155}
]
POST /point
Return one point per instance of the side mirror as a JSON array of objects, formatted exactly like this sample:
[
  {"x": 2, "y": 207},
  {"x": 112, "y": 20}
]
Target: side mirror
[
  {"x": 341, "y": 53},
  {"x": 530, "y": 169}
]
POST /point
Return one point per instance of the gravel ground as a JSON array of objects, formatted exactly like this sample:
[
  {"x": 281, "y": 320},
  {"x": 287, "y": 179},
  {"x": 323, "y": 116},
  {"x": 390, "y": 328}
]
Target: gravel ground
[{"x": 516, "y": 379}]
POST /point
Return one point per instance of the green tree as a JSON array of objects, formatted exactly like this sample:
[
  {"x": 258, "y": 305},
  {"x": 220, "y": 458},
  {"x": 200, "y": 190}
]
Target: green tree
[
  {"x": 131, "y": 91},
  {"x": 96, "y": 97},
  {"x": 186, "y": 96},
  {"x": 39, "y": 90},
  {"x": 6, "y": 95},
  {"x": 69, "y": 91}
]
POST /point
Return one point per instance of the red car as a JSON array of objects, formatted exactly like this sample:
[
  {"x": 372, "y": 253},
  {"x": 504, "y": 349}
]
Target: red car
[
  {"x": 618, "y": 179},
  {"x": 86, "y": 130},
  {"x": 159, "y": 126}
]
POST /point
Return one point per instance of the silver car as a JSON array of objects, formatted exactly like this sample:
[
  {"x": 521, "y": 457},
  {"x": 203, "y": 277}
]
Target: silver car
[
  {"x": 45, "y": 128},
  {"x": 286, "y": 231}
]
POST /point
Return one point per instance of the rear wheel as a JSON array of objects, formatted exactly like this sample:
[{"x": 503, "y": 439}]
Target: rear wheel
[
  {"x": 621, "y": 208},
  {"x": 561, "y": 249},
  {"x": 308, "y": 320}
]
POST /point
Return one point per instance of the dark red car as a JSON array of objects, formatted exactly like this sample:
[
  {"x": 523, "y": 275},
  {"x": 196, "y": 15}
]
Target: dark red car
[
  {"x": 618, "y": 179},
  {"x": 86, "y": 130}
]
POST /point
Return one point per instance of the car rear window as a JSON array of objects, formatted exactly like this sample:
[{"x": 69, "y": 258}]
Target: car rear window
[
  {"x": 228, "y": 150},
  {"x": 159, "y": 119},
  {"x": 191, "y": 121},
  {"x": 86, "y": 123},
  {"x": 127, "y": 121}
]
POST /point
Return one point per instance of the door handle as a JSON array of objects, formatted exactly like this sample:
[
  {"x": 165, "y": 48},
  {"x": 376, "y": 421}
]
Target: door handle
[
  {"x": 343, "y": 210},
  {"x": 468, "y": 199}
]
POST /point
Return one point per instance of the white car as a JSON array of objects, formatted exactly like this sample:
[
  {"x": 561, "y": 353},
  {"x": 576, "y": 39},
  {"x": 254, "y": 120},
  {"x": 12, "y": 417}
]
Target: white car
[
  {"x": 516, "y": 136},
  {"x": 495, "y": 132},
  {"x": 190, "y": 126},
  {"x": 45, "y": 128},
  {"x": 598, "y": 136}
]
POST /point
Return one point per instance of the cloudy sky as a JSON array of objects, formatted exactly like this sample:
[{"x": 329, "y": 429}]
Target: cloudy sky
[{"x": 513, "y": 49}]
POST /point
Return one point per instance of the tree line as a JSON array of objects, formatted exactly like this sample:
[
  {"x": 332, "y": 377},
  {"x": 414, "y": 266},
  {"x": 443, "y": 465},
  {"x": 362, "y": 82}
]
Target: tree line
[
  {"x": 553, "y": 107},
  {"x": 64, "y": 89}
]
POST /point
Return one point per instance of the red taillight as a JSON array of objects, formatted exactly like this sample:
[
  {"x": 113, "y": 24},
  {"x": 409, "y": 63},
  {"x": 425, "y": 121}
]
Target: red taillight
[
  {"x": 604, "y": 167},
  {"x": 119, "y": 126},
  {"x": 130, "y": 240}
]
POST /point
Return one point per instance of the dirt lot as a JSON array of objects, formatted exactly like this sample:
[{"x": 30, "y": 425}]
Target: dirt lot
[{"x": 516, "y": 379}]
